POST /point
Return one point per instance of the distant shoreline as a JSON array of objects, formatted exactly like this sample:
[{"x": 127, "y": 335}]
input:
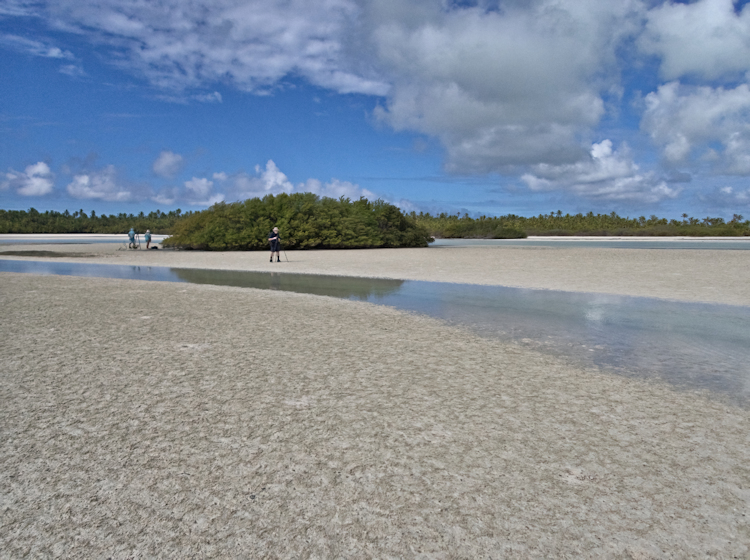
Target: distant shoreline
[{"x": 157, "y": 238}]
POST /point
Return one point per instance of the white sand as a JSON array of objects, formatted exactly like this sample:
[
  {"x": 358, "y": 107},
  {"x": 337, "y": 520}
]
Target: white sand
[
  {"x": 143, "y": 420},
  {"x": 689, "y": 275}
]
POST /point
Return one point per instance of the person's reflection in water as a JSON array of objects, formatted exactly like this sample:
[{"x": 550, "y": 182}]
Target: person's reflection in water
[{"x": 275, "y": 281}]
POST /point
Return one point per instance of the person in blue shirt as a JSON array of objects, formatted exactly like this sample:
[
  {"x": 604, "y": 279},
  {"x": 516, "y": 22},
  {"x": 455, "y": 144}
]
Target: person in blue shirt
[
  {"x": 131, "y": 237},
  {"x": 148, "y": 238}
]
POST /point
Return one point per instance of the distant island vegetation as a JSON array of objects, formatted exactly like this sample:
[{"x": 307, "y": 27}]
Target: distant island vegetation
[
  {"x": 308, "y": 221},
  {"x": 33, "y": 221},
  {"x": 557, "y": 223}
]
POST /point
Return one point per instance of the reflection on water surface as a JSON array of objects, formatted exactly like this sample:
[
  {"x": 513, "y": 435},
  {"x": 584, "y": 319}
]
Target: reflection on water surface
[
  {"x": 319, "y": 285},
  {"x": 691, "y": 345}
]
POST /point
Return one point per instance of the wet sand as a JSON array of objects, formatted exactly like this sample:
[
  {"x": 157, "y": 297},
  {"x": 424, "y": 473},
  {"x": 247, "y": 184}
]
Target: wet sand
[
  {"x": 688, "y": 275},
  {"x": 147, "y": 419}
]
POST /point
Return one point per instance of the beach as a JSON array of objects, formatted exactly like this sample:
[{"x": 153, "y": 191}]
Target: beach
[{"x": 153, "y": 419}]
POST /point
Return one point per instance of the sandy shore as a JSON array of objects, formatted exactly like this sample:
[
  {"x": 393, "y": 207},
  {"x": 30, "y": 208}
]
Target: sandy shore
[
  {"x": 689, "y": 275},
  {"x": 171, "y": 420}
]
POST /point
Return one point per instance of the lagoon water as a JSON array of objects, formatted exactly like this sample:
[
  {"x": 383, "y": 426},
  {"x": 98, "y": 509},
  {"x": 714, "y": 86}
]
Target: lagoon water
[
  {"x": 710, "y": 243},
  {"x": 69, "y": 238},
  {"x": 705, "y": 243},
  {"x": 690, "y": 345}
]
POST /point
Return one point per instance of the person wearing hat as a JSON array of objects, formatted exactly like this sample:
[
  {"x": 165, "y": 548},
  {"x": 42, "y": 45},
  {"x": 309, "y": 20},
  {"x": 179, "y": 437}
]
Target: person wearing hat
[
  {"x": 275, "y": 240},
  {"x": 148, "y": 238}
]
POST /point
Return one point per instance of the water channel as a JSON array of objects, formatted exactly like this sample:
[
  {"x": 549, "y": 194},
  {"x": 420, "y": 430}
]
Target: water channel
[{"x": 690, "y": 345}]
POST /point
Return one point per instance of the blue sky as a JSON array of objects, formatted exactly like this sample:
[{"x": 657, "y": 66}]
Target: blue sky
[{"x": 495, "y": 107}]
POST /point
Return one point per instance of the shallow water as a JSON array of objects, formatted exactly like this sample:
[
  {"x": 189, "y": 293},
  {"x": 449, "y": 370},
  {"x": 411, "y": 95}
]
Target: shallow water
[
  {"x": 713, "y": 244},
  {"x": 70, "y": 238},
  {"x": 690, "y": 345}
]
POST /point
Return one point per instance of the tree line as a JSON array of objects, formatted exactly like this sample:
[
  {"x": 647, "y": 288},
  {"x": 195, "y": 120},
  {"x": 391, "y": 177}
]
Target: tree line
[
  {"x": 329, "y": 222},
  {"x": 557, "y": 223},
  {"x": 305, "y": 220},
  {"x": 33, "y": 221}
]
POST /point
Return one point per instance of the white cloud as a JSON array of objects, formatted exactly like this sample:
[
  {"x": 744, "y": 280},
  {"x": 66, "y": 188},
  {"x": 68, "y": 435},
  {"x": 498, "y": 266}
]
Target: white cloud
[
  {"x": 606, "y": 175},
  {"x": 199, "y": 187},
  {"x": 200, "y": 192},
  {"x": 167, "y": 196},
  {"x": 273, "y": 179},
  {"x": 35, "y": 180},
  {"x": 254, "y": 45},
  {"x": 267, "y": 180},
  {"x": 72, "y": 70},
  {"x": 15, "y": 8},
  {"x": 168, "y": 164},
  {"x": 515, "y": 86},
  {"x": 36, "y": 48},
  {"x": 214, "y": 97},
  {"x": 706, "y": 38},
  {"x": 336, "y": 189},
  {"x": 101, "y": 184},
  {"x": 685, "y": 120},
  {"x": 208, "y": 201}
]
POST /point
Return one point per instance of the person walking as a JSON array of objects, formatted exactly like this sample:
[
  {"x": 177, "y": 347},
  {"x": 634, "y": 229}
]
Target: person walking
[
  {"x": 148, "y": 237},
  {"x": 275, "y": 240}
]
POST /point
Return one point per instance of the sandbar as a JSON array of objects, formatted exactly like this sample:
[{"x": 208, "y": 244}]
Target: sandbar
[
  {"x": 150, "y": 419},
  {"x": 696, "y": 275}
]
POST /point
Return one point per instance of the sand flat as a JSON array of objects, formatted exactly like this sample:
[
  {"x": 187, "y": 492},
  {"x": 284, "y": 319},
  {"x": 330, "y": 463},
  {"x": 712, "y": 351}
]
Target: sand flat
[
  {"x": 144, "y": 419},
  {"x": 687, "y": 275}
]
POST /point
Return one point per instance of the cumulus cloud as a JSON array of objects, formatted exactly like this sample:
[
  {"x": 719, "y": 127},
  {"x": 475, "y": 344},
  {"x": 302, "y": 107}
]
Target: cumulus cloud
[
  {"x": 712, "y": 123},
  {"x": 101, "y": 185},
  {"x": 514, "y": 86},
  {"x": 269, "y": 179},
  {"x": 166, "y": 196},
  {"x": 199, "y": 187},
  {"x": 35, "y": 180},
  {"x": 200, "y": 192},
  {"x": 607, "y": 174},
  {"x": 266, "y": 180},
  {"x": 336, "y": 189},
  {"x": 168, "y": 164},
  {"x": 707, "y": 38}
]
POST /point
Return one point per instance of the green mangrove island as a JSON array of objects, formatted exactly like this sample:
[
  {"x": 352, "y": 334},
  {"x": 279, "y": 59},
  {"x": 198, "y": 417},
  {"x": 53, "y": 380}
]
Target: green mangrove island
[
  {"x": 308, "y": 221},
  {"x": 305, "y": 220}
]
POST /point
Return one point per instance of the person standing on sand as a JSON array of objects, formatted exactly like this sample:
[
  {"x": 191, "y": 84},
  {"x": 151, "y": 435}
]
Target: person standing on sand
[
  {"x": 148, "y": 237},
  {"x": 275, "y": 240},
  {"x": 131, "y": 237}
]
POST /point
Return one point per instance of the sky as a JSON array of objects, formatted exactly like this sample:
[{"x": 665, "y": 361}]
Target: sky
[{"x": 487, "y": 107}]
